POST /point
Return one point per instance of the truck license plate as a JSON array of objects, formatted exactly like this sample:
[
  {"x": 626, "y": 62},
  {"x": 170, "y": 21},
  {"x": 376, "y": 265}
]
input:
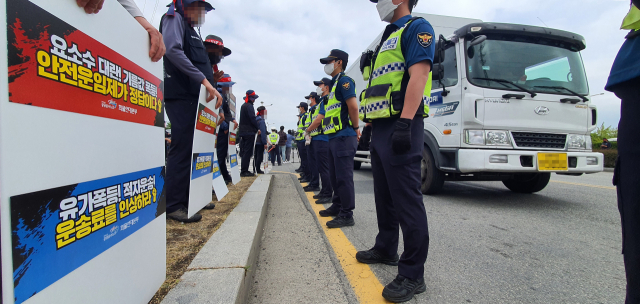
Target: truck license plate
[{"x": 553, "y": 162}]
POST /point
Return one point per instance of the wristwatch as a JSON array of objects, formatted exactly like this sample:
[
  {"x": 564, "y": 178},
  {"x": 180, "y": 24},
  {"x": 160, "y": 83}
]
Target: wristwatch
[{"x": 356, "y": 127}]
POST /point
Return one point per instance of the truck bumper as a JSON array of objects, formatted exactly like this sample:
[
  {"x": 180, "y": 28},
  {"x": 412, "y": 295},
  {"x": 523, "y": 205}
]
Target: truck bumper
[{"x": 470, "y": 161}]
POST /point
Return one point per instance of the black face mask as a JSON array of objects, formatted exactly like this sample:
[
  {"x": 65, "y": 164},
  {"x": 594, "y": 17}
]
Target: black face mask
[{"x": 214, "y": 59}]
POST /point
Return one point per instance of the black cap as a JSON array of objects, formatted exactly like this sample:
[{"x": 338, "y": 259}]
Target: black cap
[
  {"x": 314, "y": 95},
  {"x": 208, "y": 7},
  {"x": 335, "y": 55},
  {"x": 326, "y": 81},
  {"x": 215, "y": 40},
  {"x": 303, "y": 105}
]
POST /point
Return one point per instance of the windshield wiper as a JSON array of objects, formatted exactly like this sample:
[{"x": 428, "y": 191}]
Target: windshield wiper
[
  {"x": 523, "y": 89},
  {"x": 563, "y": 88}
]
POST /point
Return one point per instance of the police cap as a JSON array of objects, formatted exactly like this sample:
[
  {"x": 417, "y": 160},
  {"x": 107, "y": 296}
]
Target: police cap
[
  {"x": 326, "y": 81},
  {"x": 314, "y": 95},
  {"x": 303, "y": 105},
  {"x": 335, "y": 55}
]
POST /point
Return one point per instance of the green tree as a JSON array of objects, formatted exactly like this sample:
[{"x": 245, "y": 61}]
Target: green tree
[
  {"x": 169, "y": 125},
  {"x": 603, "y": 132}
]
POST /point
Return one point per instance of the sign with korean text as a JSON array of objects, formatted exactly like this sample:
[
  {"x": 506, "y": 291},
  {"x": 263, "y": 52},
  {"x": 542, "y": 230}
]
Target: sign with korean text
[{"x": 234, "y": 170}]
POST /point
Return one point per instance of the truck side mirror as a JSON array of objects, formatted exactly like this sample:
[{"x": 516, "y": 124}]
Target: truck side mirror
[
  {"x": 477, "y": 40},
  {"x": 439, "y": 55},
  {"x": 437, "y": 72}
]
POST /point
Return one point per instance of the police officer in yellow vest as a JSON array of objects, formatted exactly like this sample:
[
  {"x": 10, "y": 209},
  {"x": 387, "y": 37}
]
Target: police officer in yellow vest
[
  {"x": 339, "y": 121},
  {"x": 398, "y": 74},
  {"x": 274, "y": 152},
  {"x": 302, "y": 148},
  {"x": 624, "y": 81}
]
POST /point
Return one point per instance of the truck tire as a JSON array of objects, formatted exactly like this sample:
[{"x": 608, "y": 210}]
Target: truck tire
[
  {"x": 528, "y": 182},
  {"x": 357, "y": 165},
  {"x": 432, "y": 179}
]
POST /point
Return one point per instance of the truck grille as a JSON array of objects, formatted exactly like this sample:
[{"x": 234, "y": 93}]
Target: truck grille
[{"x": 539, "y": 140}]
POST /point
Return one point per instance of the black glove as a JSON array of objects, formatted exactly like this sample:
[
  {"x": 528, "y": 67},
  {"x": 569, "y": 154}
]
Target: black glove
[{"x": 401, "y": 138}]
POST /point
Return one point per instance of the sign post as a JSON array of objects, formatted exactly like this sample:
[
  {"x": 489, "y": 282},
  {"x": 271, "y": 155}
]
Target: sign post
[
  {"x": 82, "y": 196},
  {"x": 233, "y": 157}
]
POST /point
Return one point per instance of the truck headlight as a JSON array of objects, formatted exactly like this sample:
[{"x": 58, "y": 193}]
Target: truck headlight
[
  {"x": 589, "y": 143},
  {"x": 474, "y": 137},
  {"x": 497, "y": 138},
  {"x": 575, "y": 141}
]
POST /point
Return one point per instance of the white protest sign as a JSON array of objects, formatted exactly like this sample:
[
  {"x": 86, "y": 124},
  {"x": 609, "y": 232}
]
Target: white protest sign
[
  {"x": 203, "y": 160},
  {"x": 82, "y": 198},
  {"x": 233, "y": 156}
]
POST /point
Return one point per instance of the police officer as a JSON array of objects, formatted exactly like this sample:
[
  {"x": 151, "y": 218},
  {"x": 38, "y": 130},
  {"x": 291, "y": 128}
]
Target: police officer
[
  {"x": 300, "y": 142},
  {"x": 187, "y": 68},
  {"x": 340, "y": 124},
  {"x": 319, "y": 143},
  {"x": 397, "y": 143},
  {"x": 326, "y": 194},
  {"x": 624, "y": 81},
  {"x": 274, "y": 150}
]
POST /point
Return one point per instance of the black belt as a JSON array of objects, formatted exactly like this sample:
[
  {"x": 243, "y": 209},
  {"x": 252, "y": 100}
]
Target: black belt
[{"x": 632, "y": 34}]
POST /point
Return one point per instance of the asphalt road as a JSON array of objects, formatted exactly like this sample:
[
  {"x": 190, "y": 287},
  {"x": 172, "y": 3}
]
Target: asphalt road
[{"x": 489, "y": 245}]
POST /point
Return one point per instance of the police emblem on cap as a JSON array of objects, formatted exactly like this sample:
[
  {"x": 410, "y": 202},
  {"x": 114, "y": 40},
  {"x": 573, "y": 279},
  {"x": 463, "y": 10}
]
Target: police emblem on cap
[
  {"x": 425, "y": 39},
  {"x": 346, "y": 85}
]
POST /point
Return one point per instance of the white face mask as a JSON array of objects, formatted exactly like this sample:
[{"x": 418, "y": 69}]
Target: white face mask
[
  {"x": 386, "y": 8},
  {"x": 319, "y": 90},
  {"x": 329, "y": 68}
]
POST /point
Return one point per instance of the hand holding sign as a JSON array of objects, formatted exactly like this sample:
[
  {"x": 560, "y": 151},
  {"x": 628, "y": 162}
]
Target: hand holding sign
[
  {"x": 212, "y": 93},
  {"x": 90, "y": 6}
]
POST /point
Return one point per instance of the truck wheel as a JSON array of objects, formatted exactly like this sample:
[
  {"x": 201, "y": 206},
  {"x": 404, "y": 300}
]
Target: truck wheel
[
  {"x": 528, "y": 182},
  {"x": 432, "y": 178},
  {"x": 357, "y": 165}
]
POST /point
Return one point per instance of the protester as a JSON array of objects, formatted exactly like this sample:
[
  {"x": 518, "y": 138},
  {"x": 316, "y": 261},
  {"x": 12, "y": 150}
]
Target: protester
[
  {"x": 624, "y": 81},
  {"x": 247, "y": 132},
  {"x": 187, "y": 68},
  {"x": 282, "y": 144},
  {"x": 605, "y": 144},
  {"x": 289, "y": 145},
  {"x": 261, "y": 141},
  {"x": 222, "y": 150},
  {"x": 157, "y": 48}
]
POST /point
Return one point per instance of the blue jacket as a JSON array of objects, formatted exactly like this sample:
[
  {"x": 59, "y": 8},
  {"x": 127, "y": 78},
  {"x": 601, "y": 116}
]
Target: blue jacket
[{"x": 262, "y": 139}]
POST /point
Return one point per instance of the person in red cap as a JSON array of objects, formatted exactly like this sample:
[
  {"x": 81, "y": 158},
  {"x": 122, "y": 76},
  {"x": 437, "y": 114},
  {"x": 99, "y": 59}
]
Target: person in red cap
[
  {"x": 187, "y": 69},
  {"x": 247, "y": 132}
]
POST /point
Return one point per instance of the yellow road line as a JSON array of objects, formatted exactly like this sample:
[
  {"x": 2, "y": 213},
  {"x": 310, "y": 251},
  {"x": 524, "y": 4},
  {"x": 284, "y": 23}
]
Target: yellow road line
[
  {"x": 584, "y": 185},
  {"x": 364, "y": 282}
]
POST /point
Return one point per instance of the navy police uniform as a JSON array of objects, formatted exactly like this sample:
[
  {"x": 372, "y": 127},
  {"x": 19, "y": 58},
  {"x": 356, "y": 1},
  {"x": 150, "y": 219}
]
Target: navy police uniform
[
  {"x": 342, "y": 148},
  {"x": 396, "y": 177},
  {"x": 319, "y": 155}
]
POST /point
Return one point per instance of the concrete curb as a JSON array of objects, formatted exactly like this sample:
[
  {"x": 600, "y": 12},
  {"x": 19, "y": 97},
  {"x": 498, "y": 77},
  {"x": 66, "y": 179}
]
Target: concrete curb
[
  {"x": 608, "y": 169},
  {"x": 223, "y": 270}
]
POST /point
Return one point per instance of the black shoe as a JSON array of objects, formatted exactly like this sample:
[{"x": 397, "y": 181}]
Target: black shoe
[
  {"x": 311, "y": 189},
  {"x": 340, "y": 222},
  {"x": 181, "y": 215},
  {"x": 373, "y": 256},
  {"x": 305, "y": 181},
  {"x": 260, "y": 172},
  {"x": 301, "y": 177},
  {"x": 209, "y": 206},
  {"x": 403, "y": 289},
  {"x": 328, "y": 213},
  {"x": 324, "y": 200},
  {"x": 247, "y": 174},
  {"x": 227, "y": 182},
  {"x": 319, "y": 196},
  {"x": 298, "y": 170}
]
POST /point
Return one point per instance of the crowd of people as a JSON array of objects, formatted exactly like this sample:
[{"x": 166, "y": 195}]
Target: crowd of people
[{"x": 328, "y": 129}]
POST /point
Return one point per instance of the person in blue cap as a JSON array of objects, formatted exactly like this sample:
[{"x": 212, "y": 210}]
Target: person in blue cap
[
  {"x": 340, "y": 123},
  {"x": 187, "y": 69},
  {"x": 624, "y": 81},
  {"x": 397, "y": 143}
]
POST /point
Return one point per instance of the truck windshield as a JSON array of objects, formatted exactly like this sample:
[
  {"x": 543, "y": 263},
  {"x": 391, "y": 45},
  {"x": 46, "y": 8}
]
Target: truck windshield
[{"x": 538, "y": 66}]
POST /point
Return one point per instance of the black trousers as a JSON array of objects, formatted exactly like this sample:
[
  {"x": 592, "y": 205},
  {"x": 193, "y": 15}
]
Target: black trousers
[
  {"x": 627, "y": 179},
  {"x": 182, "y": 114},
  {"x": 343, "y": 150},
  {"x": 258, "y": 157},
  {"x": 275, "y": 153},
  {"x": 246, "y": 150},
  {"x": 222, "y": 151},
  {"x": 321, "y": 150},
  {"x": 396, "y": 184},
  {"x": 314, "y": 177},
  {"x": 302, "y": 149}
]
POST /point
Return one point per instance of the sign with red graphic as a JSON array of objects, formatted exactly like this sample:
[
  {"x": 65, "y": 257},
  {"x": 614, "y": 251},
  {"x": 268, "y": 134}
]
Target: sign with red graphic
[
  {"x": 207, "y": 120},
  {"x": 75, "y": 72}
]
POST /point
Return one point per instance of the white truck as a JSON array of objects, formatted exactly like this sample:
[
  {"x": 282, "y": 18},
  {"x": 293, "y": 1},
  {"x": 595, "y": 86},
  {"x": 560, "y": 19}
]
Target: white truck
[{"x": 509, "y": 103}]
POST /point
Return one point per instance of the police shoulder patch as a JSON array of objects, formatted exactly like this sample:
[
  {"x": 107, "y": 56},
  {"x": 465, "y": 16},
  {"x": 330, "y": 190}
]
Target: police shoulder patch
[
  {"x": 425, "y": 39},
  {"x": 346, "y": 85}
]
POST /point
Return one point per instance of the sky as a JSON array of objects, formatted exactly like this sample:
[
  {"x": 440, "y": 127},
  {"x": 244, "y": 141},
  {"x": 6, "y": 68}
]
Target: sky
[{"x": 277, "y": 44}]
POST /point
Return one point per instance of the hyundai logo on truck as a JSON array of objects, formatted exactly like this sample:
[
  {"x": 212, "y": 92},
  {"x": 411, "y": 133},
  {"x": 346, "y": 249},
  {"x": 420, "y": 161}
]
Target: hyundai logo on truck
[{"x": 542, "y": 110}]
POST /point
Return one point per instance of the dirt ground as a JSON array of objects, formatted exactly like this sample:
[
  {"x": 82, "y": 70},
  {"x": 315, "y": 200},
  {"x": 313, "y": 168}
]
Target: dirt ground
[{"x": 184, "y": 241}]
